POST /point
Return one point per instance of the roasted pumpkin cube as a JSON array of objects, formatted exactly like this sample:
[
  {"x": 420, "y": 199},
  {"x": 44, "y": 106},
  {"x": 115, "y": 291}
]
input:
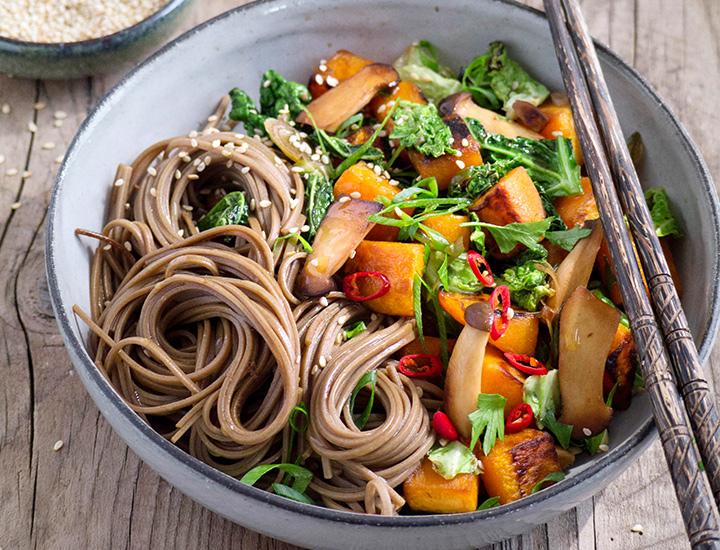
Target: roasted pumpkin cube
[
  {"x": 576, "y": 209},
  {"x": 522, "y": 331},
  {"x": 399, "y": 262},
  {"x": 341, "y": 66},
  {"x": 514, "y": 466},
  {"x": 433, "y": 346},
  {"x": 427, "y": 491},
  {"x": 445, "y": 167},
  {"x": 361, "y": 181},
  {"x": 381, "y": 104},
  {"x": 620, "y": 369},
  {"x": 448, "y": 225},
  {"x": 499, "y": 376},
  {"x": 561, "y": 124}
]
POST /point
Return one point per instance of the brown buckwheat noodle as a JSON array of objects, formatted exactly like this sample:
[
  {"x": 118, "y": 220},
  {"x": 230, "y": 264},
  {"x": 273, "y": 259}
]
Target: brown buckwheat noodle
[{"x": 203, "y": 335}]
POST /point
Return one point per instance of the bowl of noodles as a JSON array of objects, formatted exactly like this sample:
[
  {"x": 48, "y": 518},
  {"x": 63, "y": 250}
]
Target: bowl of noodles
[{"x": 193, "y": 339}]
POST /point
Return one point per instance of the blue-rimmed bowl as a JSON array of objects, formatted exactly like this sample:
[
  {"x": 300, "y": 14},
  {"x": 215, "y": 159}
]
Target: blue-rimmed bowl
[
  {"x": 99, "y": 55},
  {"x": 290, "y": 36}
]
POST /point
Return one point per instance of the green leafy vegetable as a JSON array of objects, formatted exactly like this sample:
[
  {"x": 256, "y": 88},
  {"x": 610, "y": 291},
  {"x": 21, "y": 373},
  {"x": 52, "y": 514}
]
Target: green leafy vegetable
[
  {"x": 623, "y": 318},
  {"x": 453, "y": 459},
  {"x": 419, "y": 64},
  {"x": 318, "y": 197},
  {"x": 369, "y": 377},
  {"x": 567, "y": 239},
  {"x": 298, "y": 238},
  {"x": 292, "y": 494},
  {"x": 417, "y": 307},
  {"x": 243, "y": 110},
  {"x": 491, "y": 502},
  {"x": 562, "y": 432},
  {"x": 549, "y": 162},
  {"x": 527, "y": 284},
  {"x": 358, "y": 154},
  {"x": 592, "y": 444},
  {"x": 302, "y": 476},
  {"x": 490, "y": 418},
  {"x": 351, "y": 124},
  {"x": 420, "y": 127},
  {"x": 552, "y": 476},
  {"x": 665, "y": 222},
  {"x": 230, "y": 210},
  {"x": 493, "y": 78},
  {"x": 300, "y": 409},
  {"x": 475, "y": 181},
  {"x": 340, "y": 148},
  {"x": 542, "y": 393},
  {"x": 356, "y": 329},
  {"x": 508, "y": 236},
  {"x": 278, "y": 95}
]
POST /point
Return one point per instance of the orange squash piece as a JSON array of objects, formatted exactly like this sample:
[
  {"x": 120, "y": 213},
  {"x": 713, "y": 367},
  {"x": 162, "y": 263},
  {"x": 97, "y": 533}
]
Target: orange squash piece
[
  {"x": 499, "y": 376},
  {"x": 399, "y": 262},
  {"x": 576, "y": 209},
  {"x": 561, "y": 124},
  {"x": 445, "y": 167},
  {"x": 362, "y": 180},
  {"x": 620, "y": 369},
  {"x": 432, "y": 344},
  {"x": 514, "y": 466},
  {"x": 341, "y": 66},
  {"x": 379, "y": 106},
  {"x": 522, "y": 332},
  {"x": 427, "y": 491},
  {"x": 448, "y": 225}
]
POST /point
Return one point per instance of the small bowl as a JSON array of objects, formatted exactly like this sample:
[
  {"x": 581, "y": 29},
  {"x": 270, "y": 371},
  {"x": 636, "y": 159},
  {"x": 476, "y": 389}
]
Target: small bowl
[
  {"x": 290, "y": 36},
  {"x": 98, "y": 55}
]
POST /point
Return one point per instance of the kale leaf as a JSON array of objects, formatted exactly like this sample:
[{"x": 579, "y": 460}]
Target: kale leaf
[
  {"x": 318, "y": 196},
  {"x": 420, "y": 127},
  {"x": 419, "y": 64},
  {"x": 474, "y": 181},
  {"x": 665, "y": 222},
  {"x": 230, "y": 210},
  {"x": 549, "y": 162},
  {"x": 278, "y": 95},
  {"x": 494, "y": 79},
  {"x": 244, "y": 110},
  {"x": 528, "y": 285}
]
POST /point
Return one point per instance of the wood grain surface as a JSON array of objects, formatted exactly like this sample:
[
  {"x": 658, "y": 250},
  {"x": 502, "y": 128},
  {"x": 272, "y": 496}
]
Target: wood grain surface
[{"x": 94, "y": 493}]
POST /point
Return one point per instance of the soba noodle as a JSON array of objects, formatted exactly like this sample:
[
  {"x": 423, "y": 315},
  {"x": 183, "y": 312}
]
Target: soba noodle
[{"x": 203, "y": 336}]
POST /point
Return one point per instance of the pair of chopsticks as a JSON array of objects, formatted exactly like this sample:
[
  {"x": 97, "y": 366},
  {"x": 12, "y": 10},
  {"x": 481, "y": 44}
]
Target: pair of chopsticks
[{"x": 664, "y": 363}]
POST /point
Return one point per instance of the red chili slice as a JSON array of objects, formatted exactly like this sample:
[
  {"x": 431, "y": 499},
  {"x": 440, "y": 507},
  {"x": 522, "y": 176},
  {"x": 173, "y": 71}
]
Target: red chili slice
[
  {"x": 352, "y": 290},
  {"x": 420, "y": 365},
  {"x": 501, "y": 295},
  {"x": 474, "y": 259},
  {"x": 444, "y": 427},
  {"x": 519, "y": 418},
  {"x": 526, "y": 364}
]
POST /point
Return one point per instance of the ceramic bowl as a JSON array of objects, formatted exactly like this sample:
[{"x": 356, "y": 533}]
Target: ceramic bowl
[
  {"x": 99, "y": 55},
  {"x": 290, "y": 36}
]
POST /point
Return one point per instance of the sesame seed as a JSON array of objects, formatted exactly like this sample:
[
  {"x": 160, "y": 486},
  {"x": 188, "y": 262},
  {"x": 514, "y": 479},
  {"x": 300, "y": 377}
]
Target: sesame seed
[
  {"x": 186, "y": 158},
  {"x": 212, "y": 118},
  {"x": 264, "y": 203},
  {"x": 216, "y": 143},
  {"x": 201, "y": 167},
  {"x": 293, "y": 204},
  {"x": 15, "y": 206},
  {"x": 5, "y": 109},
  {"x": 297, "y": 169},
  {"x": 59, "y": 159},
  {"x": 107, "y": 247},
  {"x": 305, "y": 228},
  {"x": 464, "y": 142},
  {"x": 511, "y": 311},
  {"x": 226, "y": 153},
  {"x": 40, "y": 105},
  {"x": 314, "y": 262},
  {"x": 252, "y": 204},
  {"x": 181, "y": 232},
  {"x": 323, "y": 67},
  {"x": 278, "y": 160},
  {"x": 323, "y": 301},
  {"x": 344, "y": 198},
  {"x": 398, "y": 212},
  {"x": 128, "y": 246},
  {"x": 153, "y": 192},
  {"x": 194, "y": 142},
  {"x": 48, "y": 145},
  {"x": 57, "y": 123},
  {"x": 245, "y": 169},
  {"x": 315, "y": 369},
  {"x": 394, "y": 182},
  {"x": 292, "y": 229},
  {"x": 460, "y": 164},
  {"x": 341, "y": 320},
  {"x": 603, "y": 448},
  {"x": 352, "y": 253},
  {"x": 60, "y": 115},
  {"x": 637, "y": 528},
  {"x": 322, "y": 361},
  {"x": 151, "y": 171},
  {"x": 2, "y": 159},
  {"x": 587, "y": 432},
  {"x": 178, "y": 174},
  {"x": 355, "y": 194},
  {"x": 556, "y": 133},
  {"x": 377, "y": 170},
  {"x": 266, "y": 84},
  {"x": 26, "y": 174},
  {"x": 58, "y": 445},
  {"x": 193, "y": 177},
  {"x": 119, "y": 182},
  {"x": 332, "y": 81},
  {"x": 193, "y": 134},
  {"x": 229, "y": 164},
  {"x": 32, "y": 127},
  {"x": 187, "y": 207}
]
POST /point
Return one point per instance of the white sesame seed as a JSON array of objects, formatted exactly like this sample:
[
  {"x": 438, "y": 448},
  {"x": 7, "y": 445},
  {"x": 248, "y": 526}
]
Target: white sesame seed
[
  {"x": 229, "y": 164},
  {"x": 637, "y": 528},
  {"x": 181, "y": 232},
  {"x": 128, "y": 245},
  {"x": 344, "y": 198},
  {"x": 60, "y": 115},
  {"x": 187, "y": 207},
  {"x": 26, "y": 174},
  {"x": 323, "y": 67},
  {"x": 187, "y": 158},
  {"x": 58, "y": 445},
  {"x": 293, "y": 204},
  {"x": 2, "y": 159},
  {"x": 587, "y": 432},
  {"x": 266, "y": 84},
  {"x": 216, "y": 143},
  {"x": 355, "y": 194},
  {"x": 322, "y": 361},
  {"x": 314, "y": 262},
  {"x": 245, "y": 169},
  {"x": 292, "y": 229},
  {"x": 460, "y": 164},
  {"x": 394, "y": 182},
  {"x": 153, "y": 192},
  {"x": 464, "y": 142},
  {"x": 32, "y": 127},
  {"x": 511, "y": 311},
  {"x": 5, "y": 109},
  {"x": 57, "y": 123},
  {"x": 603, "y": 448},
  {"x": 119, "y": 182},
  {"x": 193, "y": 134},
  {"x": 352, "y": 253},
  {"x": 341, "y": 320},
  {"x": 15, "y": 206},
  {"x": 107, "y": 247},
  {"x": 193, "y": 177},
  {"x": 556, "y": 133},
  {"x": 178, "y": 174},
  {"x": 305, "y": 228},
  {"x": 264, "y": 203},
  {"x": 377, "y": 170},
  {"x": 314, "y": 370},
  {"x": 331, "y": 81},
  {"x": 201, "y": 167},
  {"x": 212, "y": 118},
  {"x": 297, "y": 169},
  {"x": 194, "y": 142},
  {"x": 151, "y": 171},
  {"x": 398, "y": 212},
  {"x": 252, "y": 204},
  {"x": 323, "y": 301},
  {"x": 48, "y": 145},
  {"x": 59, "y": 159}
]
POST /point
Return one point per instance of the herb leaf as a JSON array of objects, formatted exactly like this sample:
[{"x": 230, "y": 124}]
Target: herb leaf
[
  {"x": 369, "y": 377},
  {"x": 552, "y": 476},
  {"x": 475, "y": 181},
  {"x": 562, "y": 432},
  {"x": 490, "y": 418},
  {"x": 491, "y": 502},
  {"x": 318, "y": 197},
  {"x": 567, "y": 239},
  {"x": 306, "y": 245},
  {"x": 665, "y": 222},
  {"x": 292, "y": 494},
  {"x": 453, "y": 459},
  {"x": 592, "y": 444},
  {"x": 420, "y": 127},
  {"x": 230, "y": 210},
  {"x": 300, "y": 409},
  {"x": 341, "y": 148},
  {"x": 508, "y": 236},
  {"x": 302, "y": 476},
  {"x": 356, "y": 329}
]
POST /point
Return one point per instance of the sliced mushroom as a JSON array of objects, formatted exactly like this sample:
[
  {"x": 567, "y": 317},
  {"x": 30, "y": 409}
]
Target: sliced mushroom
[
  {"x": 530, "y": 115},
  {"x": 344, "y": 226},
  {"x": 464, "y": 372},
  {"x": 587, "y": 330},
  {"x": 462, "y": 104},
  {"x": 338, "y": 104},
  {"x": 575, "y": 269}
]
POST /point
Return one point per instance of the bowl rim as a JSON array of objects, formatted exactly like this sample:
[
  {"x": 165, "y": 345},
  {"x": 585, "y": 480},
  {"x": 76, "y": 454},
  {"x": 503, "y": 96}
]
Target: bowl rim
[
  {"x": 128, "y": 33},
  {"x": 642, "y": 436}
]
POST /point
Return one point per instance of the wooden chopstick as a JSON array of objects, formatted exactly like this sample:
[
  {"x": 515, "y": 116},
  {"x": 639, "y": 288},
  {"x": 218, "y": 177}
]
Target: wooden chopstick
[{"x": 692, "y": 486}]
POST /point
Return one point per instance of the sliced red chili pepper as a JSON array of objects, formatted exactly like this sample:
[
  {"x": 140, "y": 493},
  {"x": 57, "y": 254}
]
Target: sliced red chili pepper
[
  {"x": 476, "y": 260},
  {"x": 420, "y": 365},
  {"x": 526, "y": 364},
  {"x": 352, "y": 285},
  {"x": 500, "y": 298},
  {"x": 444, "y": 426},
  {"x": 519, "y": 418}
]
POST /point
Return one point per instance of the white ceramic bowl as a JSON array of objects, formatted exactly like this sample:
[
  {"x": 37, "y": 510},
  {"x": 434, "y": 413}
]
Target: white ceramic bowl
[{"x": 175, "y": 89}]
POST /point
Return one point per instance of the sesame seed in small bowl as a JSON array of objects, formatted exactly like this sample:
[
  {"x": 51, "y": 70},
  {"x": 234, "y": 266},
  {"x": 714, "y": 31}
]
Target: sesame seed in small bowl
[{"x": 75, "y": 38}]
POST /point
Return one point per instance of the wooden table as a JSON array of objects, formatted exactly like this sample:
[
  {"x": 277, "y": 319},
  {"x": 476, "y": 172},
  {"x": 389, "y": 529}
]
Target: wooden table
[{"x": 68, "y": 482}]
